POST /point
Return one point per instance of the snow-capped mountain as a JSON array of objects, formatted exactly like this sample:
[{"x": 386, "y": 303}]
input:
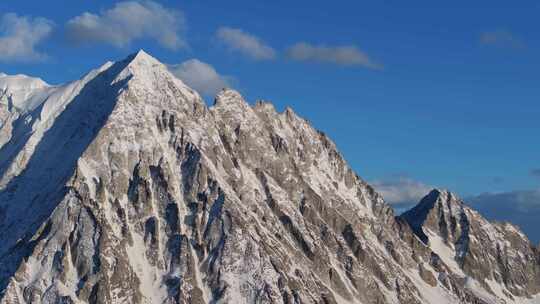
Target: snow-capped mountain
[
  {"x": 497, "y": 256},
  {"x": 125, "y": 187}
]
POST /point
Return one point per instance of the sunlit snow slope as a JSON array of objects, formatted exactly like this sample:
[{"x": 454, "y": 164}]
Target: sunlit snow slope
[{"x": 125, "y": 187}]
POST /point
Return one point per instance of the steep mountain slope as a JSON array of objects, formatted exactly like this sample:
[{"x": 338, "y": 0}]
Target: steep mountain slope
[
  {"x": 496, "y": 255},
  {"x": 124, "y": 187}
]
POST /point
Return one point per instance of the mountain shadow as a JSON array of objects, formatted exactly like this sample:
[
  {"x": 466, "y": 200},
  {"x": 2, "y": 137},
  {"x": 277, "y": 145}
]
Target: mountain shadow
[{"x": 30, "y": 198}]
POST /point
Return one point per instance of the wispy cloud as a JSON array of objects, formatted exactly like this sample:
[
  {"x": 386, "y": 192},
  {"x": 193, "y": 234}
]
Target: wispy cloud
[
  {"x": 501, "y": 38},
  {"x": 346, "y": 55},
  {"x": 200, "y": 76},
  {"x": 20, "y": 35},
  {"x": 401, "y": 190},
  {"x": 128, "y": 21},
  {"x": 520, "y": 207},
  {"x": 247, "y": 44}
]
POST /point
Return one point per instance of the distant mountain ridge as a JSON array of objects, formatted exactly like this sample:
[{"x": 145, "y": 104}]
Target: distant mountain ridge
[
  {"x": 125, "y": 187},
  {"x": 488, "y": 252}
]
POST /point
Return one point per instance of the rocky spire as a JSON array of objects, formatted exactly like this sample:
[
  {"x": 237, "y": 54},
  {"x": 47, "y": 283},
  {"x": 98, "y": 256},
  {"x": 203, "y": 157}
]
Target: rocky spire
[
  {"x": 440, "y": 211},
  {"x": 476, "y": 248}
]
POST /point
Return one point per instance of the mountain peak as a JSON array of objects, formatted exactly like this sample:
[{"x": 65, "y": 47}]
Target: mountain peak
[
  {"x": 440, "y": 192},
  {"x": 437, "y": 207},
  {"x": 21, "y": 82},
  {"x": 473, "y": 247},
  {"x": 148, "y": 75},
  {"x": 142, "y": 62},
  {"x": 22, "y": 91},
  {"x": 229, "y": 97},
  {"x": 441, "y": 198},
  {"x": 141, "y": 55}
]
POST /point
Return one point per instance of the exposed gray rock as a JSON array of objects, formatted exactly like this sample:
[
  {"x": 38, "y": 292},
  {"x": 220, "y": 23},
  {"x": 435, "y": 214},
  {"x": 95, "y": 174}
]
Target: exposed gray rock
[
  {"x": 132, "y": 190},
  {"x": 495, "y": 255}
]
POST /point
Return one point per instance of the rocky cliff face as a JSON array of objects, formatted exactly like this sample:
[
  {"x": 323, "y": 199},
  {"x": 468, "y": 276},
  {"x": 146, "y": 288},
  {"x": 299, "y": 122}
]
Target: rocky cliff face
[
  {"x": 124, "y": 187},
  {"x": 498, "y": 256}
]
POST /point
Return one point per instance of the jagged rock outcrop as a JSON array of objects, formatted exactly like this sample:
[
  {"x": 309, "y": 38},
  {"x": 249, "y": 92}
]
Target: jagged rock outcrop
[
  {"x": 125, "y": 187},
  {"x": 498, "y": 256}
]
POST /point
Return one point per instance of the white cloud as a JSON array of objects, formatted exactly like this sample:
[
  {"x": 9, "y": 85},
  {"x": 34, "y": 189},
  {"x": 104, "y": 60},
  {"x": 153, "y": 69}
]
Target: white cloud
[
  {"x": 128, "y": 21},
  {"x": 348, "y": 55},
  {"x": 200, "y": 76},
  {"x": 19, "y": 36},
  {"x": 502, "y": 38},
  {"x": 245, "y": 43},
  {"x": 401, "y": 190},
  {"x": 520, "y": 207}
]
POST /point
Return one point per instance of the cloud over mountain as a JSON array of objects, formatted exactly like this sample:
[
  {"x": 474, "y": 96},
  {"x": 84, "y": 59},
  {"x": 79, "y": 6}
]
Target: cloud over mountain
[
  {"x": 200, "y": 76},
  {"x": 128, "y": 21},
  {"x": 401, "y": 190},
  {"x": 20, "y": 35}
]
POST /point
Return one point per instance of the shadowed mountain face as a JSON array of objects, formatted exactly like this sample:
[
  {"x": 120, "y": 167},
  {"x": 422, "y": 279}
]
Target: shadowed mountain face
[
  {"x": 30, "y": 195},
  {"x": 490, "y": 253},
  {"x": 124, "y": 187}
]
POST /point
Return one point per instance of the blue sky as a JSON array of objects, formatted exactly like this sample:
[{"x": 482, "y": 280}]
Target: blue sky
[{"x": 438, "y": 94}]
